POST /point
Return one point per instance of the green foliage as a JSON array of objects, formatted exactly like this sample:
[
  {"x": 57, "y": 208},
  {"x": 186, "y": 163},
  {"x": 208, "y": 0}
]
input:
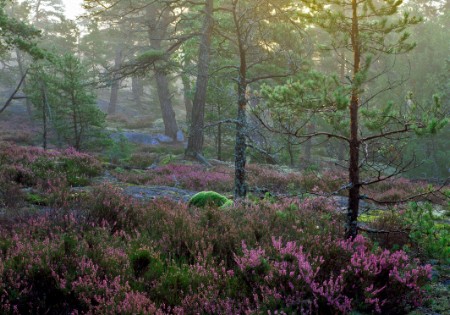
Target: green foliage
[
  {"x": 119, "y": 150},
  {"x": 432, "y": 238},
  {"x": 36, "y": 199},
  {"x": 176, "y": 279},
  {"x": 61, "y": 92},
  {"x": 77, "y": 171},
  {"x": 151, "y": 56},
  {"x": 210, "y": 198},
  {"x": 140, "y": 262},
  {"x": 15, "y": 33}
]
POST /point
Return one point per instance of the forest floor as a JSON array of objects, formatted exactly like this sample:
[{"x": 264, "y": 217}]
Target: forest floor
[{"x": 145, "y": 196}]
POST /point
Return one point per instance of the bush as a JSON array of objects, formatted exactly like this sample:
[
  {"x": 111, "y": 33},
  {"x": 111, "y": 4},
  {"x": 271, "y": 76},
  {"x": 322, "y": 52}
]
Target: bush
[
  {"x": 108, "y": 204},
  {"x": 193, "y": 177},
  {"x": 431, "y": 237},
  {"x": 28, "y": 166},
  {"x": 113, "y": 255},
  {"x": 379, "y": 281}
]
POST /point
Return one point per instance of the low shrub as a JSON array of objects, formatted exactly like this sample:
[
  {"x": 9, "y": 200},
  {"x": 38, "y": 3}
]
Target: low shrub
[
  {"x": 108, "y": 204},
  {"x": 29, "y": 165},
  {"x": 430, "y": 236},
  {"x": 193, "y": 177},
  {"x": 114, "y": 255}
]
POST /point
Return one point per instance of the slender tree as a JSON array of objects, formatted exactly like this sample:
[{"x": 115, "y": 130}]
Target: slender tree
[
  {"x": 61, "y": 91},
  {"x": 367, "y": 29},
  {"x": 252, "y": 30}
]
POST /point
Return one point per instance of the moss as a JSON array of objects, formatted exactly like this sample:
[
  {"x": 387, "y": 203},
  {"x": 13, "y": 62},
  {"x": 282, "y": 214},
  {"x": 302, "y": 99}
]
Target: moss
[
  {"x": 211, "y": 198},
  {"x": 167, "y": 159},
  {"x": 36, "y": 199},
  {"x": 371, "y": 216}
]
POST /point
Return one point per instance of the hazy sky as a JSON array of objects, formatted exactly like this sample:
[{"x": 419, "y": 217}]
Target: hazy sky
[{"x": 73, "y": 8}]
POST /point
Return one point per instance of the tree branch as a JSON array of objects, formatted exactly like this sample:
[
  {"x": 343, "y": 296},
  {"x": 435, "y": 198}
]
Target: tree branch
[
  {"x": 12, "y": 97},
  {"x": 383, "y": 134}
]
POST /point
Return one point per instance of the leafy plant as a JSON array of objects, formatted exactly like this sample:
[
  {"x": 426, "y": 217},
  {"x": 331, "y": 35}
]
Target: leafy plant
[{"x": 432, "y": 238}]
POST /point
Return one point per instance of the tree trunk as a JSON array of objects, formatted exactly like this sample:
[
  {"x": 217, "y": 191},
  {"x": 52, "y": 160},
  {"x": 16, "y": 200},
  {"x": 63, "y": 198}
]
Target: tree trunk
[
  {"x": 115, "y": 83},
  {"x": 219, "y": 142},
  {"x": 138, "y": 90},
  {"x": 307, "y": 158},
  {"x": 165, "y": 102},
  {"x": 158, "y": 25},
  {"x": 186, "y": 97},
  {"x": 354, "y": 192},
  {"x": 195, "y": 141},
  {"x": 44, "y": 116},
  {"x": 240, "y": 187},
  {"x": 290, "y": 151}
]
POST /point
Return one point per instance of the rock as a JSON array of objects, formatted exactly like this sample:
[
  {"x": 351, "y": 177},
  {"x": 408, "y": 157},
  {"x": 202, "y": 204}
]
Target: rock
[
  {"x": 136, "y": 137},
  {"x": 153, "y": 192},
  {"x": 342, "y": 204},
  {"x": 141, "y": 138},
  {"x": 180, "y": 136},
  {"x": 163, "y": 138}
]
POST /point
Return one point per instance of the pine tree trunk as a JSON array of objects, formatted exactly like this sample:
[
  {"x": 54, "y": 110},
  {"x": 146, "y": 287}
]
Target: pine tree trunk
[
  {"x": 219, "y": 142},
  {"x": 158, "y": 25},
  {"x": 240, "y": 187},
  {"x": 196, "y": 136},
  {"x": 44, "y": 117},
  {"x": 307, "y": 157},
  {"x": 186, "y": 97},
  {"x": 137, "y": 90},
  {"x": 115, "y": 84},
  {"x": 165, "y": 102},
  {"x": 354, "y": 192}
]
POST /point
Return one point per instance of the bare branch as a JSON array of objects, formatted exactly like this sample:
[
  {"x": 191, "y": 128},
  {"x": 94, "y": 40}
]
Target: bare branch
[{"x": 12, "y": 97}]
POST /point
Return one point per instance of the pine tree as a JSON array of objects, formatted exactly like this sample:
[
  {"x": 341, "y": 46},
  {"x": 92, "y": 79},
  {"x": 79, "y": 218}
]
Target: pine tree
[
  {"x": 61, "y": 92},
  {"x": 367, "y": 29}
]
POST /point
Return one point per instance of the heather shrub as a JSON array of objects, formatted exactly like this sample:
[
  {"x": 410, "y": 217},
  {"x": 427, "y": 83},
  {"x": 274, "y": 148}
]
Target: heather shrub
[
  {"x": 108, "y": 254},
  {"x": 78, "y": 167},
  {"x": 142, "y": 159},
  {"x": 17, "y": 174},
  {"x": 330, "y": 180},
  {"x": 193, "y": 177},
  {"x": 389, "y": 229},
  {"x": 287, "y": 277},
  {"x": 272, "y": 180},
  {"x": 108, "y": 204},
  {"x": 29, "y": 165},
  {"x": 141, "y": 261},
  {"x": 10, "y": 194},
  {"x": 100, "y": 294},
  {"x": 395, "y": 189}
]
